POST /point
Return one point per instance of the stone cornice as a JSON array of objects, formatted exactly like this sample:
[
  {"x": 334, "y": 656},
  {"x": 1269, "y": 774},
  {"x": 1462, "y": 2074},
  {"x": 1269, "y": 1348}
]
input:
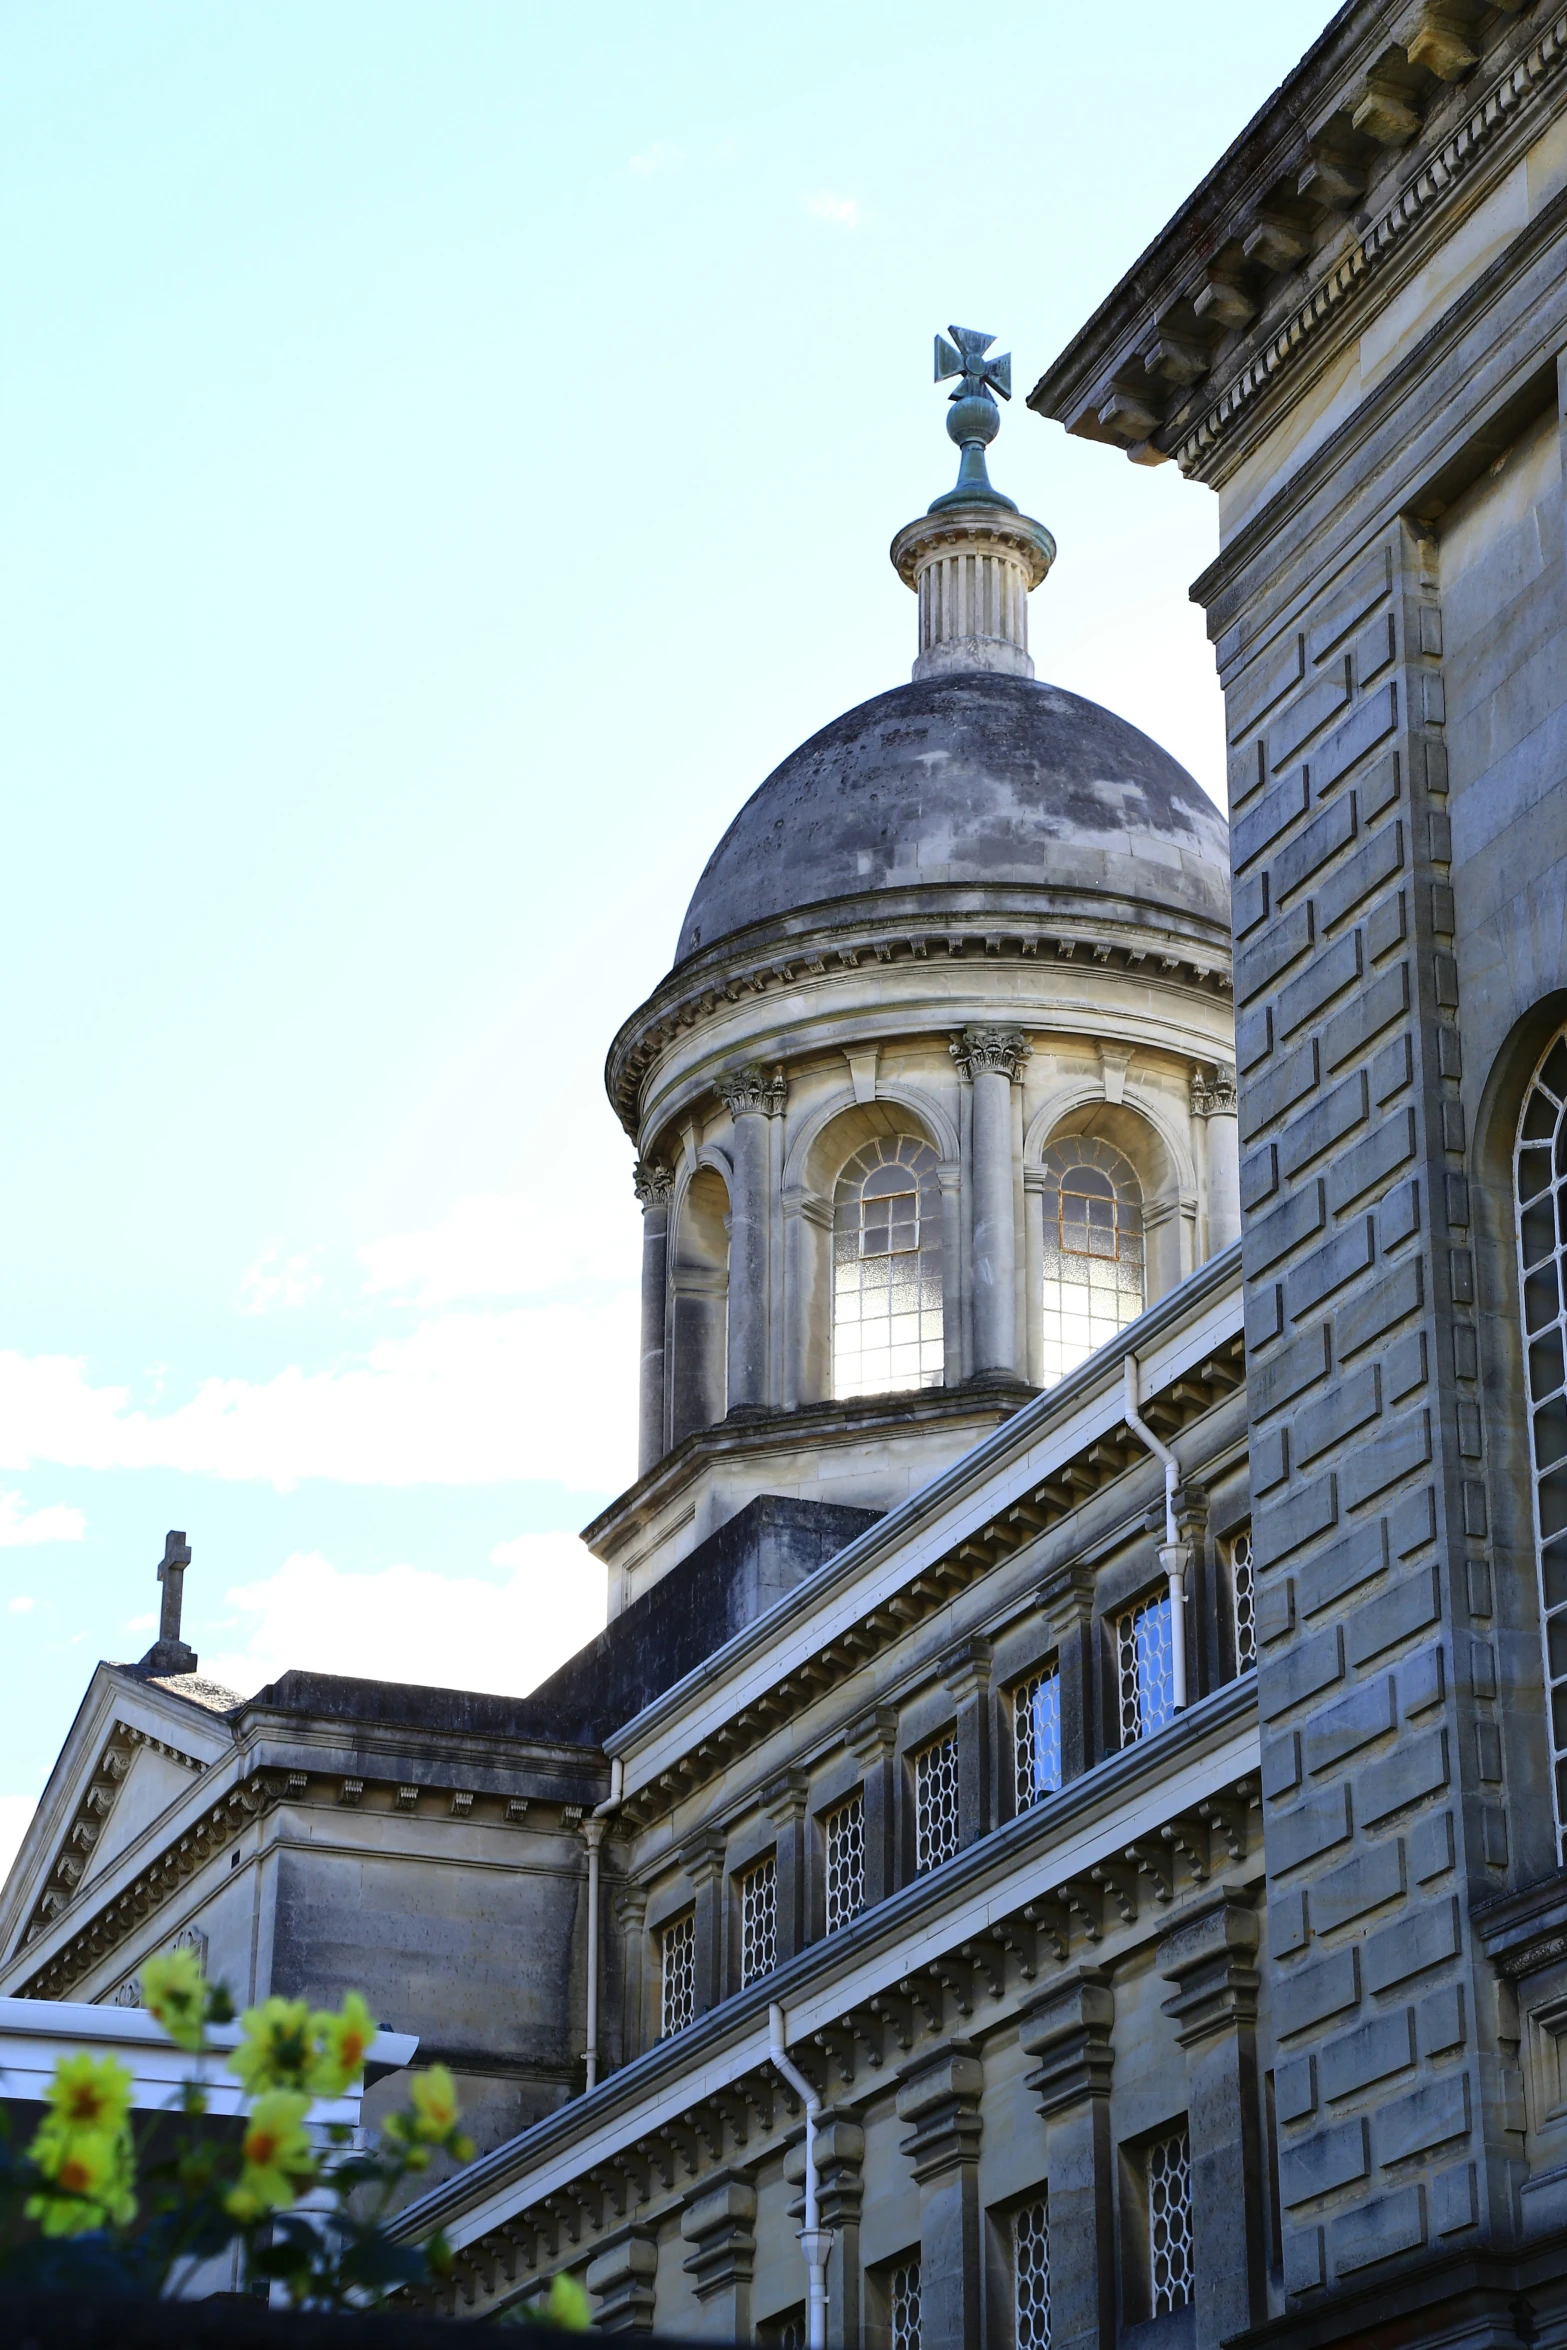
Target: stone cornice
[
  {"x": 911, "y": 928},
  {"x": 1245, "y": 286}
]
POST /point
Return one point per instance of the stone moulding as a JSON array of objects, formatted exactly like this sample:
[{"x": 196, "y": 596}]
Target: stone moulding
[
  {"x": 683, "y": 1002},
  {"x": 87, "y": 1823},
  {"x": 1436, "y": 179}
]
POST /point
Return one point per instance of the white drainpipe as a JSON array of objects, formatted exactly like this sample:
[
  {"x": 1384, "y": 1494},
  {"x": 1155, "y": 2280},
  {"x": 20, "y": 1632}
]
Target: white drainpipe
[
  {"x": 815, "y": 2241},
  {"x": 1175, "y": 1556},
  {"x": 593, "y": 1829}
]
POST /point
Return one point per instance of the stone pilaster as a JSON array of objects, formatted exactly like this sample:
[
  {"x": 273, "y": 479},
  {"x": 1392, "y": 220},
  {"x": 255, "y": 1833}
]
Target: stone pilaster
[
  {"x": 753, "y": 1099},
  {"x": 1211, "y": 1959},
  {"x": 840, "y": 2197},
  {"x": 1382, "y": 1751},
  {"x": 872, "y": 1739},
  {"x": 1067, "y": 2032},
  {"x": 785, "y": 1800},
  {"x": 622, "y": 2278},
  {"x": 1066, "y": 1600},
  {"x": 631, "y": 1917},
  {"x": 992, "y": 1059},
  {"x": 719, "y": 2224},
  {"x": 1214, "y": 1103},
  {"x": 654, "y": 1189},
  {"x": 703, "y": 1861},
  {"x": 939, "y": 2095},
  {"x": 966, "y": 1676}
]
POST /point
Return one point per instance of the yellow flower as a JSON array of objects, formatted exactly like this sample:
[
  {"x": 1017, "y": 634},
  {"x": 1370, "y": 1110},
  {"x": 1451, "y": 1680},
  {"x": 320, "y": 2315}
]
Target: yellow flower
[
  {"x": 342, "y": 2043},
  {"x": 276, "y": 2154},
  {"x": 568, "y": 2307},
  {"x": 88, "y": 2093},
  {"x": 277, "y": 2051},
  {"x": 434, "y": 2095},
  {"x": 174, "y": 1989},
  {"x": 89, "y": 2174}
]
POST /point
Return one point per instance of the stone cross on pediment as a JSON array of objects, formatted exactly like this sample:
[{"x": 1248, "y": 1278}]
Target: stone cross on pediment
[
  {"x": 171, "y": 1574},
  {"x": 964, "y": 356}
]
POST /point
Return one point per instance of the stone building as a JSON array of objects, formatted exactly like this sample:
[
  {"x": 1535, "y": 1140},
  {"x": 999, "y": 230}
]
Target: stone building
[{"x": 1076, "y": 1742}]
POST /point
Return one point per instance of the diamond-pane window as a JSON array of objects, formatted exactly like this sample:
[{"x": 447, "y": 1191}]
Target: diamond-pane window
[
  {"x": 759, "y": 1920},
  {"x": 936, "y": 1802},
  {"x": 1093, "y": 1263},
  {"x": 1031, "y": 2276},
  {"x": 1243, "y": 1590},
  {"x": 1540, "y": 1185},
  {"x": 903, "y": 2306},
  {"x": 1146, "y": 1668},
  {"x": 886, "y": 1250},
  {"x": 677, "y": 1971},
  {"x": 844, "y": 1836},
  {"x": 1036, "y": 1736},
  {"x": 1170, "y": 2223}
]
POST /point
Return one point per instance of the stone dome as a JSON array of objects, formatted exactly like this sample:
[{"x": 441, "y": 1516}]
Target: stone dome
[{"x": 973, "y": 783}]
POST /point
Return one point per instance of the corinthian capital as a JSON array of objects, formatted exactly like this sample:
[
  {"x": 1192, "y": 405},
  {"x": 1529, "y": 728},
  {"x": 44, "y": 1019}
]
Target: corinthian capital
[
  {"x": 651, "y": 1180},
  {"x": 979, "y": 1049},
  {"x": 1214, "y": 1093},
  {"x": 751, "y": 1088}
]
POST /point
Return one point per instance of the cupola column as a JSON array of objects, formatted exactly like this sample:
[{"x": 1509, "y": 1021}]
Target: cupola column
[
  {"x": 753, "y": 1099},
  {"x": 992, "y": 1059},
  {"x": 654, "y": 1188},
  {"x": 1213, "y": 1100}
]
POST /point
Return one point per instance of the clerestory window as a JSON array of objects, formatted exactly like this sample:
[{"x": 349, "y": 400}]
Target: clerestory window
[
  {"x": 1036, "y": 1736},
  {"x": 677, "y": 1973},
  {"x": 887, "y": 1309},
  {"x": 1093, "y": 1251}
]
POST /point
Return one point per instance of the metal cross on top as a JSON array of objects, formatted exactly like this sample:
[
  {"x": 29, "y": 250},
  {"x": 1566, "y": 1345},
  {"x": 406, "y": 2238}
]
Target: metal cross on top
[
  {"x": 965, "y": 356},
  {"x": 171, "y": 1574}
]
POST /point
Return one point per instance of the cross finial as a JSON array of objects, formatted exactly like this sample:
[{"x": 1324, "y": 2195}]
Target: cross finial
[
  {"x": 973, "y": 419},
  {"x": 171, "y": 1574},
  {"x": 965, "y": 356}
]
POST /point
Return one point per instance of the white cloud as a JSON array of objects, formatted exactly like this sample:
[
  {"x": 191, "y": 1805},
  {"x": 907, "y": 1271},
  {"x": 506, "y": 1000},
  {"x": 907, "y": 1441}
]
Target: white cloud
[
  {"x": 16, "y": 1817},
  {"x": 545, "y": 1391},
  {"x": 22, "y": 1605},
  {"x": 498, "y": 1244},
  {"x": 276, "y": 1282},
  {"x": 661, "y": 156},
  {"x": 842, "y": 211},
  {"x": 20, "y": 1527},
  {"x": 404, "y": 1623}
]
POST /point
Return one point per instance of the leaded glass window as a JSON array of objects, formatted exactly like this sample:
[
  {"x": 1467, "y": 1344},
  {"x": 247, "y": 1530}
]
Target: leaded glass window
[
  {"x": 759, "y": 1920},
  {"x": 936, "y": 1802},
  {"x": 1243, "y": 1591},
  {"x": 677, "y": 1970},
  {"x": 1036, "y": 1735},
  {"x": 1031, "y": 2276},
  {"x": 844, "y": 1836},
  {"x": 1145, "y": 1667},
  {"x": 1170, "y": 2223},
  {"x": 886, "y": 1245},
  {"x": 1540, "y": 1182},
  {"x": 1094, "y": 1282},
  {"x": 903, "y": 2306}
]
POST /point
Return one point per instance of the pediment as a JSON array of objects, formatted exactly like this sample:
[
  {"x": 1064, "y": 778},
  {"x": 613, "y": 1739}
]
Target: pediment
[{"x": 132, "y": 1756}]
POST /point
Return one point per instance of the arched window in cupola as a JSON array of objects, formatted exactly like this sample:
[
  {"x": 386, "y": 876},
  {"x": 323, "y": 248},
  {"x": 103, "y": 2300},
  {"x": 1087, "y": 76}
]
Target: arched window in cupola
[
  {"x": 1093, "y": 1256},
  {"x": 887, "y": 1328}
]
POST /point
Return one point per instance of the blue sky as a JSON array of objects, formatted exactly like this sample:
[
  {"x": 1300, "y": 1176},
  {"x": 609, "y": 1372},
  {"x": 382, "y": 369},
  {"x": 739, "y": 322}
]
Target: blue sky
[{"x": 450, "y": 458}]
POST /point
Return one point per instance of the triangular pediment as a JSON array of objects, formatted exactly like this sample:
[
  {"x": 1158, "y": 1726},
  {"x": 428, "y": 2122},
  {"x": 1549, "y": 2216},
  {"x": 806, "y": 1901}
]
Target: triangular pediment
[{"x": 133, "y": 1753}]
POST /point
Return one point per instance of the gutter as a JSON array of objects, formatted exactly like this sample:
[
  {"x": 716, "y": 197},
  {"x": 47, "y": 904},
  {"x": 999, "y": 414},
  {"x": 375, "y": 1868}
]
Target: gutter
[{"x": 1175, "y": 1556}]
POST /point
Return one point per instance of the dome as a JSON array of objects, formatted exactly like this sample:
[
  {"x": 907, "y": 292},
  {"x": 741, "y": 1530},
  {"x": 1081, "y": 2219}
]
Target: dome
[{"x": 977, "y": 783}]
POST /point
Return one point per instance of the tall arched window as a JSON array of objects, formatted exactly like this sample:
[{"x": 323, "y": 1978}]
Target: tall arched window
[
  {"x": 1093, "y": 1251},
  {"x": 886, "y": 1248},
  {"x": 1540, "y": 1182}
]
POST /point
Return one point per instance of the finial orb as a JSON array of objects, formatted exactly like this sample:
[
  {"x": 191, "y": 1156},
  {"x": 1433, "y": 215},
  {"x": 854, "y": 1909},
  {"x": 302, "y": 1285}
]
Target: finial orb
[{"x": 973, "y": 418}]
